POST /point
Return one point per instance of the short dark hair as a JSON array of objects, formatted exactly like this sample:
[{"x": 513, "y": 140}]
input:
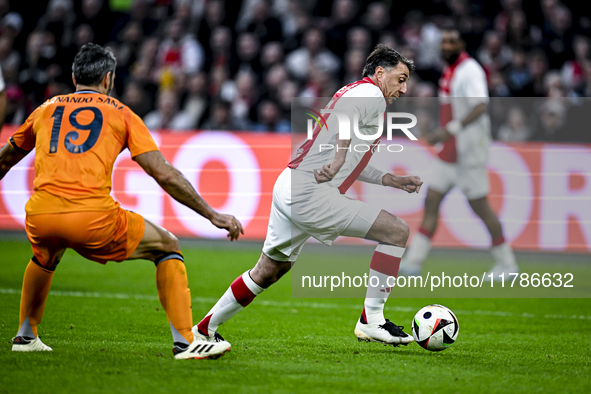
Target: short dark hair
[
  {"x": 92, "y": 63},
  {"x": 385, "y": 57},
  {"x": 450, "y": 27}
]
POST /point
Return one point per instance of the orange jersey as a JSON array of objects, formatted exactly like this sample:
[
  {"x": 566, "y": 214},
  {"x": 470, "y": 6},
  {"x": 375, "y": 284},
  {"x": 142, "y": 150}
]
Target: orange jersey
[{"x": 77, "y": 138}]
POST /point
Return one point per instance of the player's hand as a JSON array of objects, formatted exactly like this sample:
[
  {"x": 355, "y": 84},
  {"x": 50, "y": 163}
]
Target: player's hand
[
  {"x": 328, "y": 171},
  {"x": 441, "y": 135},
  {"x": 410, "y": 184},
  {"x": 229, "y": 223}
]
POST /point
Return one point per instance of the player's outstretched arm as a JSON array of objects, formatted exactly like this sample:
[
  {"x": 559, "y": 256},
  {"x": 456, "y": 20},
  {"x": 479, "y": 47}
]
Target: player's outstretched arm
[
  {"x": 9, "y": 157},
  {"x": 178, "y": 187},
  {"x": 410, "y": 184}
]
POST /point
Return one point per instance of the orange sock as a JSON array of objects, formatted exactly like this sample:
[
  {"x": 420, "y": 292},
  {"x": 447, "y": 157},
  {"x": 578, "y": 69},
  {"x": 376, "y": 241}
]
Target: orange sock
[
  {"x": 175, "y": 295},
  {"x": 36, "y": 284}
]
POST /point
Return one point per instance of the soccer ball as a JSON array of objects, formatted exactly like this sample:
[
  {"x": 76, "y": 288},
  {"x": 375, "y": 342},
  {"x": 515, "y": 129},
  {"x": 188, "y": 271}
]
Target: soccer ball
[{"x": 435, "y": 328}]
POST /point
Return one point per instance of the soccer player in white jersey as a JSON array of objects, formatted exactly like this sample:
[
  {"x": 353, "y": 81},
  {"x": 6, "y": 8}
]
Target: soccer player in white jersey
[
  {"x": 309, "y": 201},
  {"x": 465, "y": 139}
]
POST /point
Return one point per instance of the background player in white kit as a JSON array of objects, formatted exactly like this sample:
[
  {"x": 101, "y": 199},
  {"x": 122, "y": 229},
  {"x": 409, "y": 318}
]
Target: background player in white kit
[
  {"x": 308, "y": 200},
  {"x": 461, "y": 162}
]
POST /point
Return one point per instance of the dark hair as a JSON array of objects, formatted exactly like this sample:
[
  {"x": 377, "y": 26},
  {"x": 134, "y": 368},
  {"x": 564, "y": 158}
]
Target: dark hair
[
  {"x": 450, "y": 27},
  {"x": 92, "y": 63},
  {"x": 385, "y": 57}
]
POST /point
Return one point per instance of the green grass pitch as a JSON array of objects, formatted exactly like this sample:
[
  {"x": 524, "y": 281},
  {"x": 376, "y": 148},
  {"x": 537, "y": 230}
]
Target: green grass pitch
[{"x": 109, "y": 334}]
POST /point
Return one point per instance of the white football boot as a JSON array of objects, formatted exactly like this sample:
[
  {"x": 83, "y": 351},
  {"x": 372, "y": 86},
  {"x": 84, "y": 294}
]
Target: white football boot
[
  {"x": 505, "y": 263},
  {"x": 209, "y": 338},
  {"x": 500, "y": 271},
  {"x": 23, "y": 344},
  {"x": 387, "y": 333},
  {"x": 200, "y": 349}
]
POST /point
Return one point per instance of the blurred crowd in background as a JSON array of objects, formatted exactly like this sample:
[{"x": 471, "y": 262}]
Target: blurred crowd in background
[{"x": 236, "y": 64}]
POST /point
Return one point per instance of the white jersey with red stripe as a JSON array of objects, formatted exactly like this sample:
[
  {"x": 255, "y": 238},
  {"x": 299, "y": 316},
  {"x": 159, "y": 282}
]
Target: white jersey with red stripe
[
  {"x": 462, "y": 86},
  {"x": 361, "y": 100}
]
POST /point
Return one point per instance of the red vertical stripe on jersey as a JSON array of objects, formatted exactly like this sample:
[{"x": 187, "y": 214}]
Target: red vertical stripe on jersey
[
  {"x": 448, "y": 152},
  {"x": 360, "y": 167},
  {"x": 306, "y": 146},
  {"x": 241, "y": 292}
]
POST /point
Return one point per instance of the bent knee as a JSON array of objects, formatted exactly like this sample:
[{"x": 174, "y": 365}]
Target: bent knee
[
  {"x": 171, "y": 243},
  {"x": 402, "y": 231},
  {"x": 389, "y": 229},
  {"x": 398, "y": 232},
  {"x": 268, "y": 271}
]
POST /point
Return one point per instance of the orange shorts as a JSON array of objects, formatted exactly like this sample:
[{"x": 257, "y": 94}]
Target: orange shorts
[{"x": 99, "y": 236}]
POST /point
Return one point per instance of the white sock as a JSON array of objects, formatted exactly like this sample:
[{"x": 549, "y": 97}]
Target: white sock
[
  {"x": 503, "y": 255},
  {"x": 385, "y": 263},
  {"x": 240, "y": 293},
  {"x": 417, "y": 251}
]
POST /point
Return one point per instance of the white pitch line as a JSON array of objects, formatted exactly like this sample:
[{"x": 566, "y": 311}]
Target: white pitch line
[{"x": 294, "y": 304}]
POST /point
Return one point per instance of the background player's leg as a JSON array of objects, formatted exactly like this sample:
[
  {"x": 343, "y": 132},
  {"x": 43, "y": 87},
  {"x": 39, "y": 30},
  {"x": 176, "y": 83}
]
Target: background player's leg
[
  {"x": 162, "y": 247},
  {"x": 420, "y": 245},
  {"x": 481, "y": 208},
  {"x": 501, "y": 250},
  {"x": 36, "y": 285},
  {"x": 242, "y": 291}
]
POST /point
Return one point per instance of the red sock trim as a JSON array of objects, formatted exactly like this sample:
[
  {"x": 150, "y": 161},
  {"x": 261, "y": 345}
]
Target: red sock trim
[
  {"x": 498, "y": 240},
  {"x": 364, "y": 316},
  {"x": 426, "y": 233},
  {"x": 385, "y": 264},
  {"x": 203, "y": 325},
  {"x": 241, "y": 292}
]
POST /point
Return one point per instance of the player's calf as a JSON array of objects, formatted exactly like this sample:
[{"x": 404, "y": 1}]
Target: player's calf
[{"x": 268, "y": 271}]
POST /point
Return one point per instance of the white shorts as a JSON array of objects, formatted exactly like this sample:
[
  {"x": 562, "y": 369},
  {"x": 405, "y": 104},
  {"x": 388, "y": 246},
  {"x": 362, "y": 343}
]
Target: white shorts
[
  {"x": 302, "y": 209},
  {"x": 472, "y": 181}
]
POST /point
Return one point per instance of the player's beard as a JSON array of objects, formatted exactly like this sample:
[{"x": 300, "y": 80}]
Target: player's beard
[{"x": 451, "y": 59}]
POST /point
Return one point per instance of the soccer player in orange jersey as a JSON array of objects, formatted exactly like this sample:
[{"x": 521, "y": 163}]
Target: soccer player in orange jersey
[{"x": 77, "y": 138}]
